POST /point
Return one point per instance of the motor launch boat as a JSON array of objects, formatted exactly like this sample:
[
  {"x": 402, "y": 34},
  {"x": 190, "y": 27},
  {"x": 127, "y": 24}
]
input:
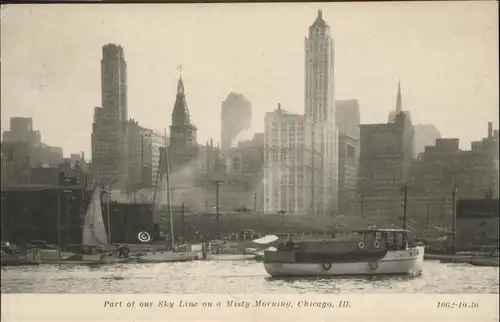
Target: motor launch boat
[{"x": 377, "y": 252}]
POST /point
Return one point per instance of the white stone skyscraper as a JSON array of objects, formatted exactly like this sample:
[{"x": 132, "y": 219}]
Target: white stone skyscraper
[{"x": 320, "y": 114}]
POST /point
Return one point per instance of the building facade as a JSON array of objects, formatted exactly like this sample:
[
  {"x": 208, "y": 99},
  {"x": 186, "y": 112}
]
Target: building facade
[
  {"x": 320, "y": 111},
  {"x": 348, "y": 119},
  {"x": 140, "y": 173},
  {"x": 23, "y": 149},
  {"x": 21, "y": 129},
  {"x": 348, "y": 172},
  {"x": 109, "y": 130},
  {"x": 16, "y": 164},
  {"x": 158, "y": 140},
  {"x": 109, "y": 149},
  {"x": 385, "y": 159},
  {"x": 292, "y": 160},
  {"x": 236, "y": 116},
  {"x": 425, "y": 135},
  {"x": 444, "y": 171},
  {"x": 477, "y": 223},
  {"x": 114, "y": 81}
]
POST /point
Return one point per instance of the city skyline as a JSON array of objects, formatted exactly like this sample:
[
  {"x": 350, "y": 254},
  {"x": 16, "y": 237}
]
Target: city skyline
[{"x": 42, "y": 77}]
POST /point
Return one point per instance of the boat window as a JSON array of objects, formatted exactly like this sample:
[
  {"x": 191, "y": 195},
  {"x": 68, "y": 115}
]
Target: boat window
[
  {"x": 371, "y": 236},
  {"x": 391, "y": 238},
  {"x": 399, "y": 239}
]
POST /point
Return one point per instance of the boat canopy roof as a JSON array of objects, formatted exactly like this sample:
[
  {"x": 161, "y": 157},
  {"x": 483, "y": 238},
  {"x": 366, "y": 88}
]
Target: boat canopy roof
[{"x": 375, "y": 230}]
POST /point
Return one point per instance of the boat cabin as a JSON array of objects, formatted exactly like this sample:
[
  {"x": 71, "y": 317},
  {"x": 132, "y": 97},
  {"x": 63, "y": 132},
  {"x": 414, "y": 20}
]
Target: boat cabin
[{"x": 393, "y": 239}]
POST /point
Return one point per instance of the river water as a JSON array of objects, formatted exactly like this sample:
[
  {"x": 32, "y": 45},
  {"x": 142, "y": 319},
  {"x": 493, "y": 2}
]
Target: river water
[{"x": 236, "y": 277}]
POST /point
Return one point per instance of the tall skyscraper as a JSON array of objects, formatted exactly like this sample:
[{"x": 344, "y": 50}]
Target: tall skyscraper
[
  {"x": 320, "y": 112},
  {"x": 384, "y": 163},
  {"x": 114, "y": 80},
  {"x": 236, "y": 116},
  {"x": 290, "y": 164},
  {"x": 109, "y": 132},
  {"x": 348, "y": 118}
]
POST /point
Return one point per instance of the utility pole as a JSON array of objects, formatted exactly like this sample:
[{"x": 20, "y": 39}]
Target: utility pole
[
  {"x": 255, "y": 203},
  {"x": 206, "y": 206},
  {"x": 362, "y": 203},
  {"x": 453, "y": 210},
  {"x": 58, "y": 225},
  {"x": 217, "y": 185},
  {"x": 322, "y": 171},
  {"x": 441, "y": 222},
  {"x": 142, "y": 160},
  {"x": 313, "y": 168},
  {"x": 182, "y": 222},
  {"x": 428, "y": 216},
  {"x": 405, "y": 201}
]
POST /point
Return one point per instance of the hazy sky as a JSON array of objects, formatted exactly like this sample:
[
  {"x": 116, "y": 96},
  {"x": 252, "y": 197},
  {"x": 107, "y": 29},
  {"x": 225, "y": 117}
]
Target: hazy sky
[{"x": 446, "y": 55}]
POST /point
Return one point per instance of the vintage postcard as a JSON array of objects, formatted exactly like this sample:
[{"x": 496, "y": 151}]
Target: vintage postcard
[{"x": 250, "y": 161}]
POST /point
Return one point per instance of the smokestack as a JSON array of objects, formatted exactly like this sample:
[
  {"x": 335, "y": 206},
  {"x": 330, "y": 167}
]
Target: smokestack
[
  {"x": 279, "y": 106},
  {"x": 490, "y": 130}
]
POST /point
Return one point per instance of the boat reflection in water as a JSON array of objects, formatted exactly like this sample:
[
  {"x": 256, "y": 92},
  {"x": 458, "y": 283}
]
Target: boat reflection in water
[{"x": 377, "y": 252}]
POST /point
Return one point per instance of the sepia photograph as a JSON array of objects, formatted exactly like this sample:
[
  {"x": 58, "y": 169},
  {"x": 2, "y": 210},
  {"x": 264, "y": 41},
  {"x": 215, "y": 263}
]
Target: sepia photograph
[{"x": 250, "y": 148}]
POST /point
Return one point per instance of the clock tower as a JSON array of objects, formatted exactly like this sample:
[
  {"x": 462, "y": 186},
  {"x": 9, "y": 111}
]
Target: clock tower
[{"x": 183, "y": 140}]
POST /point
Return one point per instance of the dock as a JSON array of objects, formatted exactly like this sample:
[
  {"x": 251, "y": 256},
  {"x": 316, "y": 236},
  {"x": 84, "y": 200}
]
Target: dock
[{"x": 476, "y": 260}]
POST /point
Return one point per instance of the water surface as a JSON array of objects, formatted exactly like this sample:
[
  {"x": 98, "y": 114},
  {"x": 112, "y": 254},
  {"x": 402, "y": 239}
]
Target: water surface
[{"x": 236, "y": 277}]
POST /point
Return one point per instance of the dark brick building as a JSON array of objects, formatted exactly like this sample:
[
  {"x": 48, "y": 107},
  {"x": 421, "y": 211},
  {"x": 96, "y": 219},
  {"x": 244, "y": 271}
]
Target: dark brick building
[
  {"x": 385, "y": 159},
  {"x": 477, "y": 222}
]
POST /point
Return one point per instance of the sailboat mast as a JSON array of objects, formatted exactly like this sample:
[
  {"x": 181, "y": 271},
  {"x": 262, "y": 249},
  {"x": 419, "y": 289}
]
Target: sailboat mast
[
  {"x": 169, "y": 198},
  {"x": 58, "y": 224}
]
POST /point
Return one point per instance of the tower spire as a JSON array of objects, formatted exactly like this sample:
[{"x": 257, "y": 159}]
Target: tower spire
[
  {"x": 180, "y": 86},
  {"x": 320, "y": 14},
  {"x": 398, "y": 99}
]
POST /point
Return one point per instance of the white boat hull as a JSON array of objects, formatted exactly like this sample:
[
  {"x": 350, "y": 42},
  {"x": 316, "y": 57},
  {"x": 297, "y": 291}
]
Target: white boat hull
[
  {"x": 394, "y": 262},
  {"x": 229, "y": 257},
  {"x": 259, "y": 256},
  {"x": 162, "y": 257}
]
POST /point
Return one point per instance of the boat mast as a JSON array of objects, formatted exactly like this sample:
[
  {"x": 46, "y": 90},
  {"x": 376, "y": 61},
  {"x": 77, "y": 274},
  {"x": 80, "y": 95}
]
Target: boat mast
[
  {"x": 108, "y": 201},
  {"x": 169, "y": 198},
  {"x": 156, "y": 185},
  {"x": 405, "y": 202},
  {"x": 58, "y": 223}
]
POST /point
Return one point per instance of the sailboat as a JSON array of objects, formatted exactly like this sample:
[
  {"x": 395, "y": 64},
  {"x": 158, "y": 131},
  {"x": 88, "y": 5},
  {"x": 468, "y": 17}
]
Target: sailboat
[
  {"x": 97, "y": 248},
  {"x": 177, "y": 253}
]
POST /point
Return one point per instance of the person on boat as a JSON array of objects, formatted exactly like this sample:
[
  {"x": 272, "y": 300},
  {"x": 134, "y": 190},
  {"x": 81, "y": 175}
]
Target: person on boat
[{"x": 123, "y": 252}]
